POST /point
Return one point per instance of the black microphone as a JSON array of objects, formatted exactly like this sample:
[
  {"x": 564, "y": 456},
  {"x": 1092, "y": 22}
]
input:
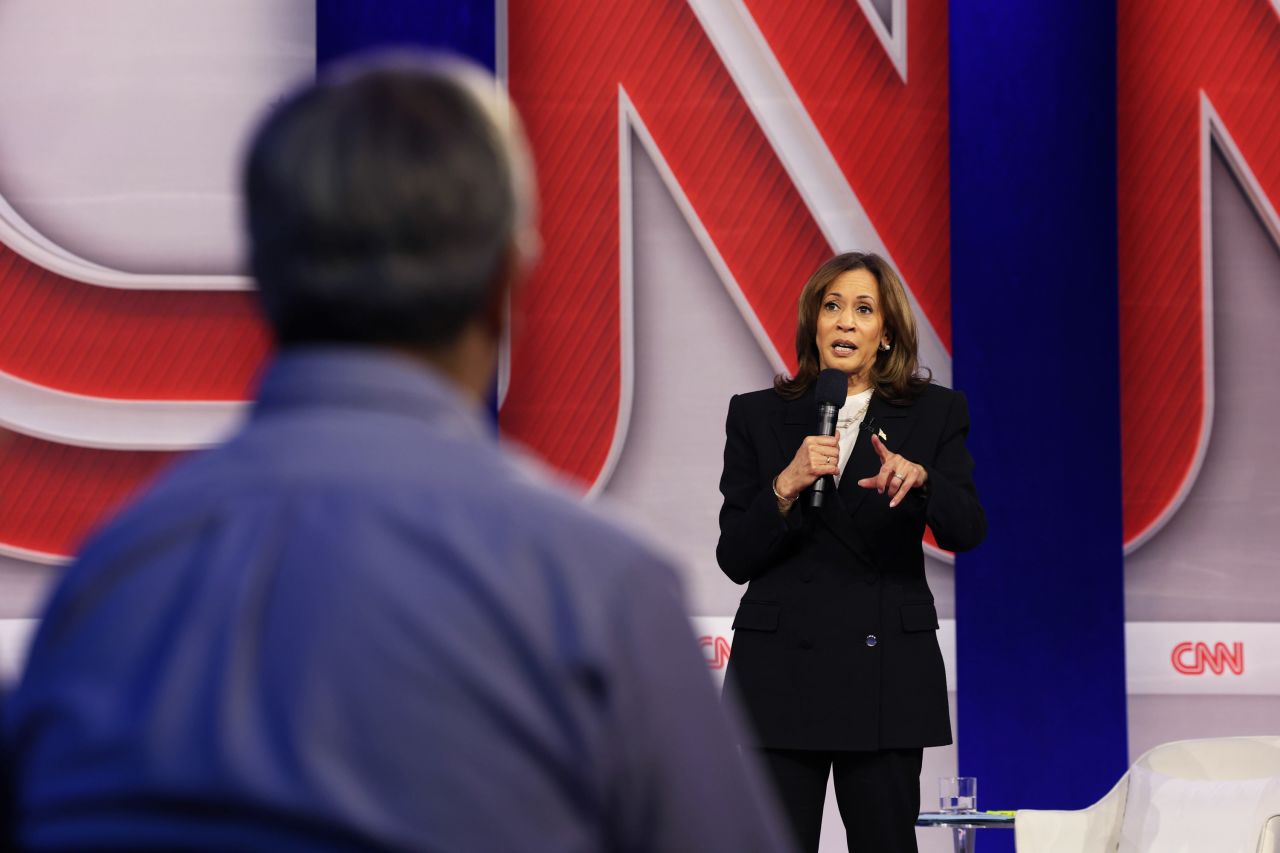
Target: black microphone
[{"x": 831, "y": 388}]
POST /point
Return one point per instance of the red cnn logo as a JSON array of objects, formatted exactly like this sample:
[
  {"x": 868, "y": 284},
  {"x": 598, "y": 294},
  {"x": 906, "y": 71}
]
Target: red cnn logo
[
  {"x": 718, "y": 654},
  {"x": 1192, "y": 658}
]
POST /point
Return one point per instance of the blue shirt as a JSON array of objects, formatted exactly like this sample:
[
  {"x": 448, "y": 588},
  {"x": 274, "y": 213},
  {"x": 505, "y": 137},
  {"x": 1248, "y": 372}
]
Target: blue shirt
[{"x": 360, "y": 624}]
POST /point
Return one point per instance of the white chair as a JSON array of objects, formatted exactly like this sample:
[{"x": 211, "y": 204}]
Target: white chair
[{"x": 1219, "y": 795}]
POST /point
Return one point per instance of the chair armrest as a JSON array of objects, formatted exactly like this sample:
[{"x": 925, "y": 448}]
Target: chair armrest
[
  {"x": 1092, "y": 830},
  {"x": 1270, "y": 840}
]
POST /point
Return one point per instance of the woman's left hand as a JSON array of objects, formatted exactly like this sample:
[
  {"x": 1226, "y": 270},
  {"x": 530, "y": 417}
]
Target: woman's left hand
[{"x": 898, "y": 475}]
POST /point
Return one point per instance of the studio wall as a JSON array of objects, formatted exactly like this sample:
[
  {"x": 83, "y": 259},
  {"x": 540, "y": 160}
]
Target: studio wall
[{"x": 696, "y": 161}]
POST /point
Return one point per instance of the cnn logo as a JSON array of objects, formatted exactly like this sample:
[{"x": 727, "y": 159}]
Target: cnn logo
[
  {"x": 715, "y": 650},
  {"x": 1193, "y": 658}
]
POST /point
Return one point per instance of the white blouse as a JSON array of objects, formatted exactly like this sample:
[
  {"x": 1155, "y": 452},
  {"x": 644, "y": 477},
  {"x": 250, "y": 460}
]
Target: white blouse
[{"x": 848, "y": 420}]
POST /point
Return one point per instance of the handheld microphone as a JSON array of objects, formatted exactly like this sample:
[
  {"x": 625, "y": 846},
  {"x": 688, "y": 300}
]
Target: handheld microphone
[{"x": 831, "y": 389}]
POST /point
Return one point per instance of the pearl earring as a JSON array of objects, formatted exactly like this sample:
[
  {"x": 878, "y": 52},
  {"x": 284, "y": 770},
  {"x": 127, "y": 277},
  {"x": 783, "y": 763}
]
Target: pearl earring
[{"x": 884, "y": 347}]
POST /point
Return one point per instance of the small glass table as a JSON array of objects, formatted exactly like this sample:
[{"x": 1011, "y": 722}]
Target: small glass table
[{"x": 964, "y": 824}]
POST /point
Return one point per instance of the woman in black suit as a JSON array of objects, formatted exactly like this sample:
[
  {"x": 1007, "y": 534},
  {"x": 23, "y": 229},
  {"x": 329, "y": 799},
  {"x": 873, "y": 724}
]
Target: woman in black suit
[{"x": 835, "y": 653}]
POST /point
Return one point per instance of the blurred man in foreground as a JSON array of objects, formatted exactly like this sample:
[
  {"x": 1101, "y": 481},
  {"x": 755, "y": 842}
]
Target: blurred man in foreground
[{"x": 358, "y": 624}]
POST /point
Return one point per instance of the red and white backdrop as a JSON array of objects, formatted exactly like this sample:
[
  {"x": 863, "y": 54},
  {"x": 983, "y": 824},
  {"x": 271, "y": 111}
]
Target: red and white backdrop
[
  {"x": 126, "y": 330},
  {"x": 696, "y": 160}
]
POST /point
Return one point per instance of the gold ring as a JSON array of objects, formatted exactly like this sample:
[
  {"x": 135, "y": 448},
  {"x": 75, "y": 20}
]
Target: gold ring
[{"x": 898, "y": 476}]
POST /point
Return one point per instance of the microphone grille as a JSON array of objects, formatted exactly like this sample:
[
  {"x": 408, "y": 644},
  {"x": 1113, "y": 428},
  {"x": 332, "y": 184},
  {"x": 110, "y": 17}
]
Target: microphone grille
[{"x": 832, "y": 387}]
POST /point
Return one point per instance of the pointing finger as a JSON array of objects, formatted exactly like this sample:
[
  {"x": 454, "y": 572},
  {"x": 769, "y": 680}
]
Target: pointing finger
[{"x": 878, "y": 481}]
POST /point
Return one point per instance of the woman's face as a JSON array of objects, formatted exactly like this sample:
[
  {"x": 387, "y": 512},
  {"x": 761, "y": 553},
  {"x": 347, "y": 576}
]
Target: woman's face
[{"x": 850, "y": 324}]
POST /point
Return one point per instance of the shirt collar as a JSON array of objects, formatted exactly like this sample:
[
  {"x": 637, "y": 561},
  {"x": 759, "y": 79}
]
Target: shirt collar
[{"x": 368, "y": 378}]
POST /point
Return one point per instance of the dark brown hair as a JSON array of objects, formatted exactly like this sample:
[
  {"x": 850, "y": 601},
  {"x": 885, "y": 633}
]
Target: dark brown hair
[
  {"x": 896, "y": 374},
  {"x": 380, "y": 207}
]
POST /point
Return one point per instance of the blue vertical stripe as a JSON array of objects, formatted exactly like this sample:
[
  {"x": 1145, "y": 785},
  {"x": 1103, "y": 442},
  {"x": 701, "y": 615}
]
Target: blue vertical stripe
[
  {"x": 1039, "y": 607},
  {"x": 461, "y": 26},
  {"x": 465, "y": 27}
]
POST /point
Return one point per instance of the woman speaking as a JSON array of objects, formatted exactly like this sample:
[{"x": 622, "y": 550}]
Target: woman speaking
[{"x": 835, "y": 652}]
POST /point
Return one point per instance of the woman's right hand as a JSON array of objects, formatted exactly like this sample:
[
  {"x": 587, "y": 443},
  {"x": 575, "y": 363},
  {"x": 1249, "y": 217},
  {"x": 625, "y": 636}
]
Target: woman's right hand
[{"x": 816, "y": 457}]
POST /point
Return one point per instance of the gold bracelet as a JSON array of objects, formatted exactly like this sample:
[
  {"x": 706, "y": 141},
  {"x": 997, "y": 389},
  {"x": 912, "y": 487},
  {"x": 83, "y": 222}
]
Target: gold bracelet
[{"x": 778, "y": 495}]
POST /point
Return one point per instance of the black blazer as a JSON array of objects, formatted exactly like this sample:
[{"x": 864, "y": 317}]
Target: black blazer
[{"x": 835, "y": 641}]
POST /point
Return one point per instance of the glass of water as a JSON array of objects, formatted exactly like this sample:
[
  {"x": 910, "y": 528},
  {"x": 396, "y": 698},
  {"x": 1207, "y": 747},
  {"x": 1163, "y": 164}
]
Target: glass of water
[{"x": 958, "y": 794}]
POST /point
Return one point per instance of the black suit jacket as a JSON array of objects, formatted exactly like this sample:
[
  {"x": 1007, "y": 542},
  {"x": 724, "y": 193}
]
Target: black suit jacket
[{"x": 835, "y": 641}]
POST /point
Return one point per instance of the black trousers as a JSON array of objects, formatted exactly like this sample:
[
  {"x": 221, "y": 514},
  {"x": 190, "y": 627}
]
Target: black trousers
[{"x": 878, "y": 794}]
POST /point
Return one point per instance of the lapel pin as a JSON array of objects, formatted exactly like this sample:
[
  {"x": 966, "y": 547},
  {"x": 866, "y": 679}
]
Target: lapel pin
[{"x": 883, "y": 437}]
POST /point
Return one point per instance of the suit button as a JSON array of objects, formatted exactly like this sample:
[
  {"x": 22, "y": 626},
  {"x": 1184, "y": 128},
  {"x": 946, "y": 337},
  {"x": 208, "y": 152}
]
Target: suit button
[
  {"x": 806, "y": 644},
  {"x": 871, "y": 639}
]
